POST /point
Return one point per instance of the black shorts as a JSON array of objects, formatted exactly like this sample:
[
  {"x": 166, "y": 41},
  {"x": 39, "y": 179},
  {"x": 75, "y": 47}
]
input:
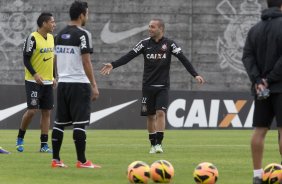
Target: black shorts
[
  {"x": 73, "y": 104},
  {"x": 153, "y": 98},
  {"x": 266, "y": 110},
  {"x": 39, "y": 96}
]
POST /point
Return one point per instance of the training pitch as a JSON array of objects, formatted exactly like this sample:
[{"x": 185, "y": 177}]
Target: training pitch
[{"x": 114, "y": 150}]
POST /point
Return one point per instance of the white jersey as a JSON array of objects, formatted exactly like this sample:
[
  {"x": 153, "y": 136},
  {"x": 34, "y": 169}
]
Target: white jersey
[{"x": 71, "y": 42}]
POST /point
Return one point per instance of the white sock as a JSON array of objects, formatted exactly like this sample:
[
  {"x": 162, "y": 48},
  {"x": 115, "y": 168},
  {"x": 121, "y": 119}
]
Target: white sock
[{"x": 258, "y": 173}]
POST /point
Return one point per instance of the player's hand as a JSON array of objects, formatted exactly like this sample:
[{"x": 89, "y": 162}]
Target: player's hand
[
  {"x": 265, "y": 83},
  {"x": 38, "y": 79},
  {"x": 200, "y": 79},
  {"x": 55, "y": 83},
  {"x": 95, "y": 93},
  {"x": 107, "y": 68},
  {"x": 259, "y": 88}
]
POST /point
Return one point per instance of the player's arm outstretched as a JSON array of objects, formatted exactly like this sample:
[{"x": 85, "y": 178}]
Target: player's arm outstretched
[
  {"x": 177, "y": 52},
  {"x": 107, "y": 68},
  {"x": 200, "y": 79},
  {"x": 136, "y": 51}
]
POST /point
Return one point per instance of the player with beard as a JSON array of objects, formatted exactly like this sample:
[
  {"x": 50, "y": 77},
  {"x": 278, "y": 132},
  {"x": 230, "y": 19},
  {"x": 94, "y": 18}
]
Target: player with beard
[{"x": 76, "y": 85}]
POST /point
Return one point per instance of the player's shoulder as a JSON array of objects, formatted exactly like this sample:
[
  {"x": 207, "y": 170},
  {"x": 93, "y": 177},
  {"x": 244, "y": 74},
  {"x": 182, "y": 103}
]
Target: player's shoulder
[
  {"x": 143, "y": 41},
  {"x": 83, "y": 31},
  {"x": 168, "y": 40},
  {"x": 31, "y": 35},
  {"x": 30, "y": 39},
  {"x": 50, "y": 35}
]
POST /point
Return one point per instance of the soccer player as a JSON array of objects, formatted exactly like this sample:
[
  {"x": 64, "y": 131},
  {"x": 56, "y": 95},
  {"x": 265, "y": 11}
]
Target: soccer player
[
  {"x": 157, "y": 51},
  {"x": 38, "y": 56},
  {"x": 2, "y": 151},
  {"x": 262, "y": 58},
  {"x": 76, "y": 85}
]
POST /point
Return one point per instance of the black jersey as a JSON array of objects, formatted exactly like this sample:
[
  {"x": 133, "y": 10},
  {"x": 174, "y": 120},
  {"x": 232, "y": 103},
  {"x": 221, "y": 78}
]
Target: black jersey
[
  {"x": 157, "y": 59},
  {"x": 71, "y": 42}
]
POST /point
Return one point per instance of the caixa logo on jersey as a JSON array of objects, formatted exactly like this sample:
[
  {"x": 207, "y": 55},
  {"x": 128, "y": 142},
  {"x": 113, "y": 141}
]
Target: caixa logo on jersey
[{"x": 210, "y": 113}]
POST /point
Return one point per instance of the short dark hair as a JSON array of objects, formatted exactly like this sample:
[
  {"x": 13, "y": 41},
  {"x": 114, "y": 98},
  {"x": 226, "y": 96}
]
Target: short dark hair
[
  {"x": 43, "y": 17},
  {"x": 78, "y": 7},
  {"x": 161, "y": 23},
  {"x": 274, "y": 3}
]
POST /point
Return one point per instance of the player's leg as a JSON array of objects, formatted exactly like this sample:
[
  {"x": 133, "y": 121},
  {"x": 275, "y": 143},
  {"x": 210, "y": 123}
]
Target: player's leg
[
  {"x": 46, "y": 105},
  {"x": 263, "y": 116},
  {"x": 280, "y": 142},
  {"x": 160, "y": 128},
  {"x": 62, "y": 119},
  {"x": 32, "y": 94},
  {"x": 161, "y": 107},
  {"x": 148, "y": 109},
  {"x": 44, "y": 125},
  {"x": 277, "y": 105},
  {"x": 57, "y": 139},
  {"x": 257, "y": 145},
  {"x": 80, "y": 109},
  {"x": 151, "y": 122}
]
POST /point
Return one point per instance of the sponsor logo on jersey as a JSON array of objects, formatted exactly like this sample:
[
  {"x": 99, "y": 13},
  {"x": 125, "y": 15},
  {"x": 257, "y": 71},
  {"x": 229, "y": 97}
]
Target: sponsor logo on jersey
[
  {"x": 65, "y": 36},
  {"x": 138, "y": 48},
  {"x": 175, "y": 49},
  {"x": 46, "y": 50},
  {"x": 30, "y": 45},
  {"x": 46, "y": 59},
  {"x": 164, "y": 47},
  {"x": 156, "y": 56},
  {"x": 64, "y": 50},
  {"x": 83, "y": 42}
]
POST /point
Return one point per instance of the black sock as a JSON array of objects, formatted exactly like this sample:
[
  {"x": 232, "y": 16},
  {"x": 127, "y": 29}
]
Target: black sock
[
  {"x": 57, "y": 139},
  {"x": 160, "y": 136},
  {"x": 79, "y": 137},
  {"x": 152, "y": 138},
  {"x": 21, "y": 133},
  {"x": 43, "y": 139}
]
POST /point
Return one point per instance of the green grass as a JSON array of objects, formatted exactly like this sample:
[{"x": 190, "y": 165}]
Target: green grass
[{"x": 229, "y": 150}]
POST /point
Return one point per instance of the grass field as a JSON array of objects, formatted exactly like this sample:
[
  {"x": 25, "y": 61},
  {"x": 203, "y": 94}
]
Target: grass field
[{"x": 114, "y": 149}]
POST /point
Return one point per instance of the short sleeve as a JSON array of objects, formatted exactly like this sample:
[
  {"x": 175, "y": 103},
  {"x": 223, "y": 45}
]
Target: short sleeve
[{"x": 86, "y": 45}]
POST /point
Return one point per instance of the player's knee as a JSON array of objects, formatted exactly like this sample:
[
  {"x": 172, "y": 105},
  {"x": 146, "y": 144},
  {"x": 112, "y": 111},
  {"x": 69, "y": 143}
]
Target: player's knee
[
  {"x": 160, "y": 113},
  {"x": 58, "y": 132},
  {"x": 31, "y": 112},
  {"x": 79, "y": 134}
]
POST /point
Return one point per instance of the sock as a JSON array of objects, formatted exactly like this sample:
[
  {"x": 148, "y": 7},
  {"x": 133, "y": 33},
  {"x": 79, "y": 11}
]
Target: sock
[
  {"x": 21, "y": 133},
  {"x": 152, "y": 138},
  {"x": 43, "y": 139},
  {"x": 159, "y": 137},
  {"x": 57, "y": 139},
  {"x": 79, "y": 137},
  {"x": 258, "y": 173}
]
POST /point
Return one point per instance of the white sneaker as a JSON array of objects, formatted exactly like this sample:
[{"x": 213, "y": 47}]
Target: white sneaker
[
  {"x": 159, "y": 148},
  {"x": 152, "y": 150}
]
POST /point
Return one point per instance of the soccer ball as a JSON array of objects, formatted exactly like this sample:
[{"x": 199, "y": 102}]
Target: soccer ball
[
  {"x": 272, "y": 174},
  {"x": 138, "y": 172},
  {"x": 162, "y": 171},
  {"x": 205, "y": 173}
]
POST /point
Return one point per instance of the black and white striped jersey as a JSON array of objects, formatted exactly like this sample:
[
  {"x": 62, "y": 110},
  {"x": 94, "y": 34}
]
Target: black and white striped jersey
[{"x": 70, "y": 43}]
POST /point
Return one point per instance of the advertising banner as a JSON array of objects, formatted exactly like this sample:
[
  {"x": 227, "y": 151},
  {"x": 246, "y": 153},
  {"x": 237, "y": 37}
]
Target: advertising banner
[{"x": 120, "y": 109}]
